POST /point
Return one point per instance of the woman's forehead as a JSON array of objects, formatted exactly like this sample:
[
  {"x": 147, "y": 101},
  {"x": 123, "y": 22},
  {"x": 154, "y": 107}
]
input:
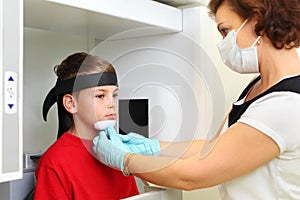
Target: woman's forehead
[{"x": 224, "y": 11}]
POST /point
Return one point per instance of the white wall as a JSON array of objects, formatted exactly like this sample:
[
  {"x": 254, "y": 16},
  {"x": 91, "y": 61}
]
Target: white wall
[
  {"x": 233, "y": 83},
  {"x": 42, "y": 51}
]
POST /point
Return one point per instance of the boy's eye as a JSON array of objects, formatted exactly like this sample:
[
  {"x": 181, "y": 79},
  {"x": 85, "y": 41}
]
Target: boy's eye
[
  {"x": 100, "y": 96},
  {"x": 115, "y": 95}
]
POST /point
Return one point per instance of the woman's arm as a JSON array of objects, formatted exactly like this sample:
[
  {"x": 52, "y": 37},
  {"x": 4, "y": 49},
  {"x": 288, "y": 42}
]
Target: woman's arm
[
  {"x": 180, "y": 150},
  {"x": 238, "y": 151}
]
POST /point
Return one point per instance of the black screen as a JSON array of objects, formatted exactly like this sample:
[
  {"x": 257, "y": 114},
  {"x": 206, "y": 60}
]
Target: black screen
[{"x": 133, "y": 116}]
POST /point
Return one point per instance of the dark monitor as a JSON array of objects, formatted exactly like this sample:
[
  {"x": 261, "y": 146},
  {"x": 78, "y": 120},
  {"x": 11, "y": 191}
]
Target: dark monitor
[{"x": 134, "y": 116}]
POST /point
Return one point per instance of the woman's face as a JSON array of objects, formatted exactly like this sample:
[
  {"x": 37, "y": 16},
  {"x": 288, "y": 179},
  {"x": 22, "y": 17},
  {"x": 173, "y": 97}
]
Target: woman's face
[
  {"x": 95, "y": 104},
  {"x": 227, "y": 20}
]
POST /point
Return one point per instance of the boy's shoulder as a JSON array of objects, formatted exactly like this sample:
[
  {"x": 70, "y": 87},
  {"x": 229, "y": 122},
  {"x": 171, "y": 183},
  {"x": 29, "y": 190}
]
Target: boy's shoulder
[{"x": 60, "y": 150}]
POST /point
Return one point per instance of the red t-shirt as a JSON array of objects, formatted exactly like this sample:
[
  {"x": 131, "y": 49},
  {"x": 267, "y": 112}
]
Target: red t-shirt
[{"x": 68, "y": 170}]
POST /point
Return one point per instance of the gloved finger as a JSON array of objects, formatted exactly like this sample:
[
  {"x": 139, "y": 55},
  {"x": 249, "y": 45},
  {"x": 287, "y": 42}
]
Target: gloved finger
[
  {"x": 96, "y": 140},
  {"x": 131, "y": 137},
  {"x": 125, "y": 138},
  {"x": 102, "y": 137},
  {"x": 136, "y": 135},
  {"x": 111, "y": 131},
  {"x": 115, "y": 139}
]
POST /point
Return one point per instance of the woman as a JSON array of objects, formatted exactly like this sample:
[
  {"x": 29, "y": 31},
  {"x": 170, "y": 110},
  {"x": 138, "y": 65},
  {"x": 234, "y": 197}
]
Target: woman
[
  {"x": 86, "y": 91},
  {"x": 257, "y": 154}
]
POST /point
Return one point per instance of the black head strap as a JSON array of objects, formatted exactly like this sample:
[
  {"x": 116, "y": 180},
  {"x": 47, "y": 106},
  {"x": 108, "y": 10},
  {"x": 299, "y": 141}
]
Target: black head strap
[{"x": 68, "y": 86}]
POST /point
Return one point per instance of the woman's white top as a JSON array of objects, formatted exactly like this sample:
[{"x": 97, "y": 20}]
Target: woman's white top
[{"x": 276, "y": 114}]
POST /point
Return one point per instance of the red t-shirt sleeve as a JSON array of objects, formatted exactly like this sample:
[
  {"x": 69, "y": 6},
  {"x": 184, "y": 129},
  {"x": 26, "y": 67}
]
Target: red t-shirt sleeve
[{"x": 50, "y": 185}]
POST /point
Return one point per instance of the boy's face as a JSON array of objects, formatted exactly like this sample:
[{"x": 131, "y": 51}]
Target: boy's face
[{"x": 96, "y": 104}]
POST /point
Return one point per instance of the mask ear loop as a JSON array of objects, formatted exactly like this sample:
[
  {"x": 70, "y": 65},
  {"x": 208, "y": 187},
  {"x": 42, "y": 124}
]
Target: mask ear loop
[
  {"x": 257, "y": 41},
  {"x": 210, "y": 144},
  {"x": 243, "y": 24}
]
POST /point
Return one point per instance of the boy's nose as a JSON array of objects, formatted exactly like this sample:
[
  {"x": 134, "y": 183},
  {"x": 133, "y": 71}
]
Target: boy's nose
[{"x": 112, "y": 103}]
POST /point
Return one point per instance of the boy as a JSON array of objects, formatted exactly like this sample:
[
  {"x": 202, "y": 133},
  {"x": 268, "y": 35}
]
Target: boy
[{"x": 86, "y": 92}]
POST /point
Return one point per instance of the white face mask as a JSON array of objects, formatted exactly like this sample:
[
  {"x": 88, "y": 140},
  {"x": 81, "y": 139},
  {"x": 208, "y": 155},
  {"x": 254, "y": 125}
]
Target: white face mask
[{"x": 239, "y": 60}]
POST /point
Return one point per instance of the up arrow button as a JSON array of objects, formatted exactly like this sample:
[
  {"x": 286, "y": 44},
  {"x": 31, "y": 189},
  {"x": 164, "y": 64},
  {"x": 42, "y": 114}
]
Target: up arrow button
[{"x": 11, "y": 78}]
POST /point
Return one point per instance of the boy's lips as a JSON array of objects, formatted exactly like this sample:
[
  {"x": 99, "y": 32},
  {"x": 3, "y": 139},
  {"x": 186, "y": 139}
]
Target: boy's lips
[{"x": 111, "y": 116}]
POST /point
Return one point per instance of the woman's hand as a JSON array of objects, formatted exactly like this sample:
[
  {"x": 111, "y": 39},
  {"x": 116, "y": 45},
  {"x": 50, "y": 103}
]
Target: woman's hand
[
  {"x": 139, "y": 144},
  {"x": 110, "y": 151}
]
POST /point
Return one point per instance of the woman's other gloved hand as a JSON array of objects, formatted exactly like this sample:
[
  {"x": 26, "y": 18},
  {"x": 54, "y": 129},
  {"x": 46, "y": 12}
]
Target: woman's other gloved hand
[
  {"x": 139, "y": 144},
  {"x": 135, "y": 143}
]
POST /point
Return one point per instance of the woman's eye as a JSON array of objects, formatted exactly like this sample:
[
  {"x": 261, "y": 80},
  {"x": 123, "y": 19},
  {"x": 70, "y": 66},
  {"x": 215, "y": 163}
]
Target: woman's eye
[{"x": 224, "y": 32}]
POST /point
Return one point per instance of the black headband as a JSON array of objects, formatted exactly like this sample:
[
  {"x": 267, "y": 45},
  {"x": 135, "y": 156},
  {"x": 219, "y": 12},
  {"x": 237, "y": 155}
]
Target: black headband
[
  {"x": 68, "y": 86},
  {"x": 85, "y": 81}
]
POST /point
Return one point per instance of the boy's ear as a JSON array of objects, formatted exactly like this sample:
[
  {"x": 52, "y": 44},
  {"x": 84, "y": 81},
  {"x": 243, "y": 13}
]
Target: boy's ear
[{"x": 69, "y": 103}]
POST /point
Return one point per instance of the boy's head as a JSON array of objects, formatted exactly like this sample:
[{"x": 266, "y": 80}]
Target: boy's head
[{"x": 85, "y": 92}]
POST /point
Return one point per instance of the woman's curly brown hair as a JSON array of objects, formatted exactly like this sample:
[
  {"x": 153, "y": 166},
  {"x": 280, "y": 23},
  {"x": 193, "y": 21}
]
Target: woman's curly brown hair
[{"x": 278, "y": 19}]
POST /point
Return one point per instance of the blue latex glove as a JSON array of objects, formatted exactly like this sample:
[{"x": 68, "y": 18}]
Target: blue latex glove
[
  {"x": 111, "y": 151},
  {"x": 136, "y": 143}
]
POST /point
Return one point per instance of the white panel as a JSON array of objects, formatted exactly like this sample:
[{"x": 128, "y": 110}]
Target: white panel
[
  {"x": 1, "y": 80},
  {"x": 11, "y": 61}
]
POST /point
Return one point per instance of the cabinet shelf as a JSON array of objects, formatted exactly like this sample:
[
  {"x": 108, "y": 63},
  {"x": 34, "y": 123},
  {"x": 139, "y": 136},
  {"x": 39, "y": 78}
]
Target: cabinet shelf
[
  {"x": 101, "y": 19},
  {"x": 184, "y": 3}
]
